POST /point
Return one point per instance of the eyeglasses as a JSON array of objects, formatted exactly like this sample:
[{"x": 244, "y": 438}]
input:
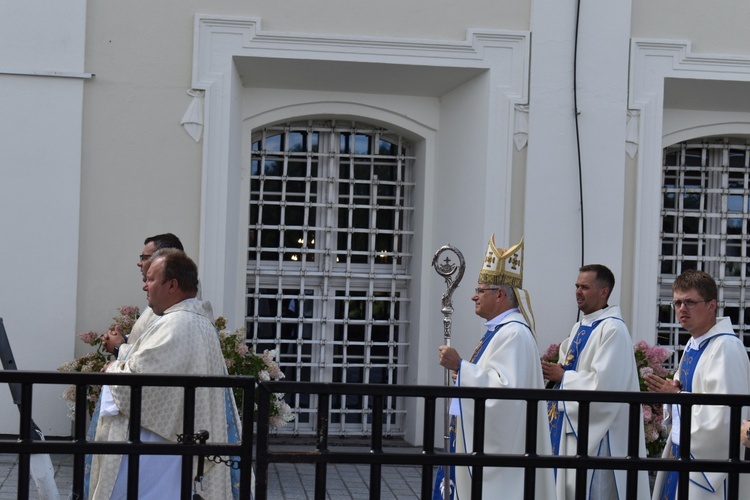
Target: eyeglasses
[
  {"x": 482, "y": 290},
  {"x": 144, "y": 256},
  {"x": 689, "y": 304}
]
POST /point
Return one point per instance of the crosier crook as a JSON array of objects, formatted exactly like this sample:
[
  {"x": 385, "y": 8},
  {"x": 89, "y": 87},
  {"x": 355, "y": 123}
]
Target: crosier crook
[{"x": 447, "y": 270}]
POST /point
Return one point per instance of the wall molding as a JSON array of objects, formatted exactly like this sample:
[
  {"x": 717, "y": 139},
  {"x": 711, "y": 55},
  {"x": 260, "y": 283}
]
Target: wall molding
[
  {"x": 651, "y": 62},
  {"x": 219, "y": 41}
]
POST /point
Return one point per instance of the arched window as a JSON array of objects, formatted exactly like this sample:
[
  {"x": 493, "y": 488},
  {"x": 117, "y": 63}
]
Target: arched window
[
  {"x": 330, "y": 231},
  {"x": 705, "y": 211}
]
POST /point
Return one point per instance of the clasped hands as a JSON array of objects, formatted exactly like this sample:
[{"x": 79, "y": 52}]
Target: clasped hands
[{"x": 655, "y": 383}]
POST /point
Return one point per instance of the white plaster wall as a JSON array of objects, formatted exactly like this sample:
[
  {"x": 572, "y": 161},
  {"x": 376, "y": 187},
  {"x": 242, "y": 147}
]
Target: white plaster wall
[
  {"x": 141, "y": 173},
  {"x": 464, "y": 191},
  {"x": 554, "y": 244},
  {"x": 40, "y": 162},
  {"x": 714, "y": 28}
]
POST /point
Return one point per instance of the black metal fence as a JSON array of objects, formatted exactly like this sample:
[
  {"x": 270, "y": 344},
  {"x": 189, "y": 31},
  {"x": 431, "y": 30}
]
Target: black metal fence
[
  {"x": 429, "y": 457},
  {"x": 79, "y": 447},
  {"x": 320, "y": 455}
]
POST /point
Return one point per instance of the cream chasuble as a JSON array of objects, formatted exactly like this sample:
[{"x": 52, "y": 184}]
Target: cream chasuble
[{"x": 182, "y": 341}]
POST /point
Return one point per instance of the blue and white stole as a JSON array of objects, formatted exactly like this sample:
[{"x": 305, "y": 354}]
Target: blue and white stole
[
  {"x": 687, "y": 370},
  {"x": 554, "y": 412},
  {"x": 437, "y": 492}
]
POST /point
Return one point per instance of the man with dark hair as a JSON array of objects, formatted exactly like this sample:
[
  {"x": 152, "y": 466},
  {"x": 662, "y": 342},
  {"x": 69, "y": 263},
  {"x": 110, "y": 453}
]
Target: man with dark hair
[
  {"x": 114, "y": 338},
  {"x": 183, "y": 340},
  {"x": 714, "y": 361},
  {"x": 166, "y": 240},
  {"x": 154, "y": 243},
  {"x": 598, "y": 355}
]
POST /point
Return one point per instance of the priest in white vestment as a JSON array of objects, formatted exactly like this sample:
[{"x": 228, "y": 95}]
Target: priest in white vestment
[
  {"x": 507, "y": 356},
  {"x": 598, "y": 355},
  {"x": 182, "y": 340},
  {"x": 714, "y": 362},
  {"x": 112, "y": 340}
]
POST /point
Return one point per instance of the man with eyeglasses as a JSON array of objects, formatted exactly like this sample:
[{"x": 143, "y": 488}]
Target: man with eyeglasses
[
  {"x": 714, "y": 361},
  {"x": 183, "y": 340},
  {"x": 114, "y": 338},
  {"x": 507, "y": 356},
  {"x": 597, "y": 356}
]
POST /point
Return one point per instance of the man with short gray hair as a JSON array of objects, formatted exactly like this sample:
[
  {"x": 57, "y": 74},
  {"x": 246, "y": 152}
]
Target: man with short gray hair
[{"x": 506, "y": 356}]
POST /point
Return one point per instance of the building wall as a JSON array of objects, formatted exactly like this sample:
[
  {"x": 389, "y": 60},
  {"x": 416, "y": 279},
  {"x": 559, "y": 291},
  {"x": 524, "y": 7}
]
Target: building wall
[
  {"x": 719, "y": 29},
  {"x": 138, "y": 161},
  {"x": 42, "y": 82},
  {"x": 130, "y": 170}
]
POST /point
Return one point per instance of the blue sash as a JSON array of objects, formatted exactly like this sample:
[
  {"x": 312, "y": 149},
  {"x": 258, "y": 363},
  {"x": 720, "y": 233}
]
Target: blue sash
[
  {"x": 554, "y": 413},
  {"x": 687, "y": 370},
  {"x": 437, "y": 492},
  {"x": 233, "y": 437}
]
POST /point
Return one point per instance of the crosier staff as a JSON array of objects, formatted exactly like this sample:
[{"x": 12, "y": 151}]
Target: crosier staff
[{"x": 452, "y": 274}]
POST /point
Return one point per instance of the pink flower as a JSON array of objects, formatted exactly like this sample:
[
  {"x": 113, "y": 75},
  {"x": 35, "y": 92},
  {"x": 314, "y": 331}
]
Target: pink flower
[
  {"x": 70, "y": 393},
  {"x": 647, "y": 413},
  {"x": 129, "y": 310},
  {"x": 552, "y": 354},
  {"x": 241, "y": 349},
  {"x": 88, "y": 337}
]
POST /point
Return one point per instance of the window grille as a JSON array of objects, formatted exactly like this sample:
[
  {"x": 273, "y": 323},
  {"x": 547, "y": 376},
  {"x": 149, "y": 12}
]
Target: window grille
[
  {"x": 329, "y": 250},
  {"x": 705, "y": 211}
]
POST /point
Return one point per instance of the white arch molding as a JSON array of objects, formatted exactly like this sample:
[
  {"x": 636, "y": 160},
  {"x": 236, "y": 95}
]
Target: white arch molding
[{"x": 484, "y": 76}]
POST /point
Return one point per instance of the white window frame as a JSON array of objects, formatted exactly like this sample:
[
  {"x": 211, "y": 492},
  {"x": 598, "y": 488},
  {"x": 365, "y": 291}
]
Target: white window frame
[
  {"x": 708, "y": 245},
  {"x": 326, "y": 278},
  {"x": 489, "y": 75},
  {"x": 652, "y": 61}
]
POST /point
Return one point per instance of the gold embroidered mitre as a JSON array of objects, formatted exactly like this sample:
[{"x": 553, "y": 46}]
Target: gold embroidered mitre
[{"x": 502, "y": 267}]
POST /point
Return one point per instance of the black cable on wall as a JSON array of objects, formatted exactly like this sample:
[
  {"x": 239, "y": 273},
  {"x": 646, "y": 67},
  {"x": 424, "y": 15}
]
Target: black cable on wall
[{"x": 578, "y": 135}]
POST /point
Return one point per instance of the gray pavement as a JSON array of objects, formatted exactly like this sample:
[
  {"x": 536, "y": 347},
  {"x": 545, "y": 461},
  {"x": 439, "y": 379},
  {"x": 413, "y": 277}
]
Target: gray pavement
[{"x": 285, "y": 481}]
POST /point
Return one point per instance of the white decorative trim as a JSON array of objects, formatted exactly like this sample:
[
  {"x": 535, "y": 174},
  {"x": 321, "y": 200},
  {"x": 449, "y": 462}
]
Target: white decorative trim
[
  {"x": 56, "y": 74},
  {"x": 651, "y": 62},
  {"x": 631, "y": 133},
  {"x": 521, "y": 126},
  {"x": 218, "y": 40},
  {"x": 192, "y": 121}
]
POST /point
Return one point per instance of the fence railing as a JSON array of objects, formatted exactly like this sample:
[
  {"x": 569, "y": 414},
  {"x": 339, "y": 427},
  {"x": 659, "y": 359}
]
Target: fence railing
[
  {"x": 79, "y": 447},
  {"x": 377, "y": 455},
  {"x": 428, "y": 457}
]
